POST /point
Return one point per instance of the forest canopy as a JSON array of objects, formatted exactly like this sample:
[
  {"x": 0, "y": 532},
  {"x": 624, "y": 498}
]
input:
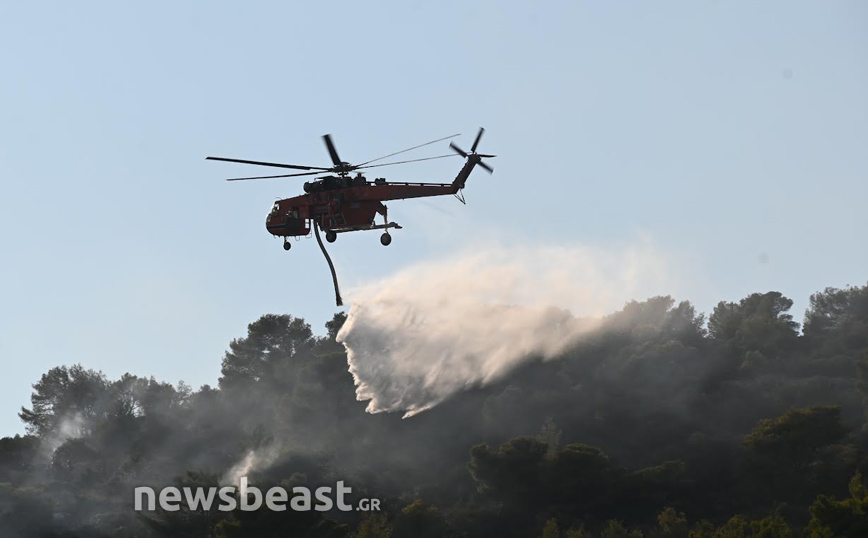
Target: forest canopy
[{"x": 661, "y": 423}]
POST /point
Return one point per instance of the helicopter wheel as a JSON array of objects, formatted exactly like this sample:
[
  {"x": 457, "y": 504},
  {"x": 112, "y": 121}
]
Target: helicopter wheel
[
  {"x": 331, "y": 237},
  {"x": 385, "y": 239},
  {"x": 287, "y": 245}
]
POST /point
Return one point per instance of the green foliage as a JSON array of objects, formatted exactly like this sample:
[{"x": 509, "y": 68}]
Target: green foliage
[
  {"x": 229, "y": 528},
  {"x": 550, "y": 529},
  {"x": 16, "y": 457},
  {"x": 374, "y": 526},
  {"x": 267, "y": 524},
  {"x": 861, "y": 364},
  {"x": 73, "y": 455},
  {"x": 857, "y": 487},
  {"x": 523, "y": 473},
  {"x": 644, "y": 415},
  {"x": 837, "y": 319},
  {"x": 26, "y": 512},
  {"x": 515, "y": 466},
  {"x": 703, "y": 529},
  {"x": 269, "y": 352},
  {"x": 770, "y": 527},
  {"x": 672, "y": 524},
  {"x": 736, "y": 527},
  {"x": 418, "y": 520},
  {"x": 758, "y": 323},
  {"x": 577, "y": 533},
  {"x": 333, "y": 327},
  {"x": 837, "y": 519},
  {"x": 615, "y": 529},
  {"x": 65, "y": 401},
  {"x": 796, "y": 436}
]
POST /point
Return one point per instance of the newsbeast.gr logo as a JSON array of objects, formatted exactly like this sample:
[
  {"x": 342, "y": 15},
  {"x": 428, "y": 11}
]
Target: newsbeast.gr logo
[{"x": 275, "y": 498}]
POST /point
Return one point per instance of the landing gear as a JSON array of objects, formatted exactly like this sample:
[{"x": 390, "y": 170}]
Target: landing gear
[
  {"x": 385, "y": 239},
  {"x": 331, "y": 236},
  {"x": 286, "y": 244}
]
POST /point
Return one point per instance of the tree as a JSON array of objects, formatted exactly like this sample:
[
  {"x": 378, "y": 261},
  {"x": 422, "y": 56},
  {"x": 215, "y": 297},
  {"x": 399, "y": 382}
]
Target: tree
[
  {"x": 831, "y": 518},
  {"x": 796, "y": 436},
  {"x": 862, "y": 384},
  {"x": 16, "y": 455},
  {"x": 268, "y": 352},
  {"x": 374, "y": 526},
  {"x": 770, "y": 527},
  {"x": 645, "y": 387},
  {"x": 736, "y": 527},
  {"x": 73, "y": 457},
  {"x": 329, "y": 343},
  {"x": 419, "y": 520},
  {"x": 656, "y": 318},
  {"x": 614, "y": 529},
  {"x": 758, "y": 323},
  {"x": 836, "y": 326},
  {"x": 672, "y": 524},
  {"x": 838, "y": 318},
  {"x": 334, "y": 326},
  {"x": 26, "y": 513},
  {"x": 703, "y": 529},
  {"x": 65, "y": 401},
  {"x": 583, "y": 476},
  {"x": 511, "y": 471},
  {"x": 550, "y": 529}
]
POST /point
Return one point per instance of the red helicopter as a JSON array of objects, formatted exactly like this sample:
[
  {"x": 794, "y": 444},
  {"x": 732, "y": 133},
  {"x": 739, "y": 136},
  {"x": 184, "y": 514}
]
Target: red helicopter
[{"x": 339, "y": 202}]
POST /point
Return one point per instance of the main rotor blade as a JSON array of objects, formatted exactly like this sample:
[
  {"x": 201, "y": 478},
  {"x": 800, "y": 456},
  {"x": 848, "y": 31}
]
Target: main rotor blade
[
  {"x": 476, "y": 142},
  {"x": 271, "y": 177},
  {"x": 458, "y": 150},
  {"x": 410, "y": 161},
  {"x": 261, "y": 163},
  {"x": 409, "y": 149},
  {"x": 333, "y": 153},
  {"x": 487, "y": 168}
]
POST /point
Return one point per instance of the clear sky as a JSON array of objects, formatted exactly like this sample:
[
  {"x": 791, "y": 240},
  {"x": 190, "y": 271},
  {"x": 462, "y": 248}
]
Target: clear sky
[{"x": 734, "y": 134}]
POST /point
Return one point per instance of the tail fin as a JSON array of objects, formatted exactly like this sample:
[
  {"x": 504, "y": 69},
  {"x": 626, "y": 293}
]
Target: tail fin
[{"x": 473, "y": 159}]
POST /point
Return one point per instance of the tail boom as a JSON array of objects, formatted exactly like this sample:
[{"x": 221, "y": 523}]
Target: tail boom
[{"x": 461, "y": 179}]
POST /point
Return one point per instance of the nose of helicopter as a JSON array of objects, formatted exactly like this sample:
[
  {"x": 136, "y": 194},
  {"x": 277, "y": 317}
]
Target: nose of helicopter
[
  {"x": 273, "y": 222},
  {"x": 274, "y": 226}
]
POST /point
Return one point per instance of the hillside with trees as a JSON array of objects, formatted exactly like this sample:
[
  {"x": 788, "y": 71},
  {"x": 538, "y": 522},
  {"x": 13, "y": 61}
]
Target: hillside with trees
[{"x": 662, "y": 423}]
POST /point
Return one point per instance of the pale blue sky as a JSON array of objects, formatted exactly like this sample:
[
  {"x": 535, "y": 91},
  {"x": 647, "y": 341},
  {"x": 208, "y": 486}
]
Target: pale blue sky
[{"x": 728, "y": 132}]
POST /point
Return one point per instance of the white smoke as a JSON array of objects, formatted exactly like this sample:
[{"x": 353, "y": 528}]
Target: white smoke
[
  {"x": 255, "y": 459},
  {"x": 70, "y": 426},
  {"x": 437, "y": 328}
]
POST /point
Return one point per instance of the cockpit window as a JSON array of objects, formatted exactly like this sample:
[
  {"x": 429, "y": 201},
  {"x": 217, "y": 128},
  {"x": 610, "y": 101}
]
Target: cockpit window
[{"x": 276, "y": 208}]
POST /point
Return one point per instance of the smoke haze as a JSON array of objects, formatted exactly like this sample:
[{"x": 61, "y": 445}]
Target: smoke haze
[
  {"x": 441, "y": 327},
  {"x": 581, "y": 401}
]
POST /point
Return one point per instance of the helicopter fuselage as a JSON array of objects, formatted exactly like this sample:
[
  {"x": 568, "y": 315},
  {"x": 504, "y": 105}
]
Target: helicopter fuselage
[{"x": 342, "y": 204}]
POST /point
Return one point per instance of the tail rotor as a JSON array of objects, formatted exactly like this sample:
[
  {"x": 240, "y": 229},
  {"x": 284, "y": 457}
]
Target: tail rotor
[{"x": 472, "y": 155}]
